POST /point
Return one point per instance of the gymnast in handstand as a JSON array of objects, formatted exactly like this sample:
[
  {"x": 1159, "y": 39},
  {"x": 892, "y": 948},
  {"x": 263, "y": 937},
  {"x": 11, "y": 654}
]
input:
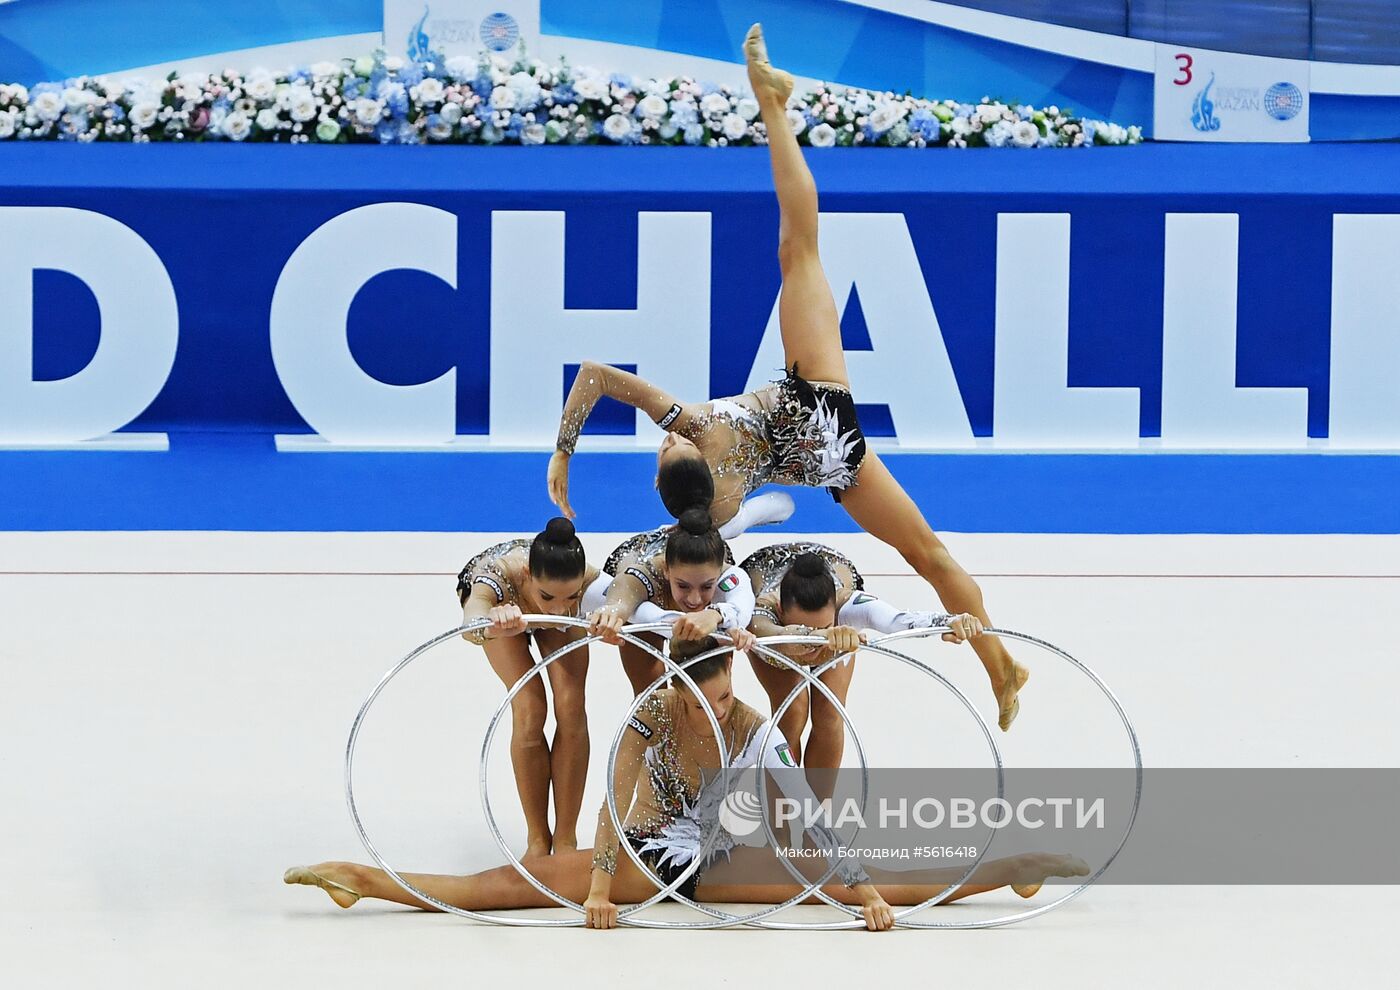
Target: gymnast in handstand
[
  {"x": 799, "y": 431},
  {"x": 664, "y": 772}
]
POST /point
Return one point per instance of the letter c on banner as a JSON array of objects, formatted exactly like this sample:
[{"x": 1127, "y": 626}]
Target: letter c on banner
[
  {"x": 140, "y": 324},
  {"x": 311, "y": 305}
]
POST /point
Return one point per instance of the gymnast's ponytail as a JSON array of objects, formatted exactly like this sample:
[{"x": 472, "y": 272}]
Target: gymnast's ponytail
[
  {"x": 808, "y": 584},
  {"x": 695, "y": 540},
  {"x": 556, "y": 554}
]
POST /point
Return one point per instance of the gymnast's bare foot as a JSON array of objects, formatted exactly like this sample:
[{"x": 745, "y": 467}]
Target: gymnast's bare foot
[
  {"x": 537, "y": 848},
  {"x": 768, "y": 83},
  {"x": 330, "y": 877},
  {"x": 1035, "y": 867},
  {"x": 1008, "y": 704}
]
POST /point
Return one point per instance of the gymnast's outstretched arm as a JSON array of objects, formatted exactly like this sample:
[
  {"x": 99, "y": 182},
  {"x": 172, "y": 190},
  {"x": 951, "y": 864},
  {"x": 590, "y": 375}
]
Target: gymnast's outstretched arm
[{"x": 593, "y": 382}]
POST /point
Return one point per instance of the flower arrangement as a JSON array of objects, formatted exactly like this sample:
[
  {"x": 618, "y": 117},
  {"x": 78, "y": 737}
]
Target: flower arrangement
[{"x": 493, "y": 99}]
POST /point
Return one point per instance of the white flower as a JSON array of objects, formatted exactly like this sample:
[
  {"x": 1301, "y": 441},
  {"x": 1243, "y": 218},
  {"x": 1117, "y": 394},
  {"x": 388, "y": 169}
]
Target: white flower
[
  {"x": 143, "y": 115},
  {"x": 734, "y": 126},
  {"x": 301, "y": 104},
  {"x": 47, "y": 106},
  {"x": 1025, "y": 134},
  {"x": 327, "y": 130},
  {"x": 617, "y": 127},
  {"x": 367, "y": 112},
  {"x": 451, "y": 113},
  {"x": 797, "y": 120},
  {"x": 747, "y": 108},
  {"x": 714, "y": 104},
  {"x": 591, "y": 88},
  {"x": 527, "y": 91},
  {"x": 461, "y": 67},
  {"x": 998, "y": 134},
  {"x": 503, "y": 98},
  {"x": 822, "y": 136},
  {"x": 532, "y": 134},
  {"x": 75, "y": 98},
  {"x": 268, "y": 119},
  {"x": 7, "y": 124},
  {"x": 960, "y": 127},
  {"x": 429, "y": 91},
  {"x": 441, "y": 130},
  {"x": 325, "y": 70},
  {"x": 885, "y": 116},
  {"x": 237, "y": 126},
  {"x": 261, "y": 86},
  {"x": 393, "y": 63},
  {"x": 652, "y": 106},
  {"x": 989, "y": 113},
  {"x": 861, "y": 103}
]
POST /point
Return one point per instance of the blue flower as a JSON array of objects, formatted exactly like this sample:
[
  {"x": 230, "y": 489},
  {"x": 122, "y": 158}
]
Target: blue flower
[
  {"x": 1024, "y": 112},
  {"x": 924, "y": 124},
  {"x": 684, "y": 114},
  {"x": 387, "y": 132},
  {"x": 411, "y": 74},
  {"x": 352, "y": 89},
  {"x": 963, "y": 110},
  {"x": 564, "y": 94},
  {"x": 482, "y": 85},
  {"x": 513, "y": 128},
  {"x": 619, "y": 79},
  {"x": 300, "y": 74},
  {"x": 694, "y": 133},
  {"x": 706, "y": 88},
  {"x": 118, "y": 114},
  {"x": 222, "y": 103}
]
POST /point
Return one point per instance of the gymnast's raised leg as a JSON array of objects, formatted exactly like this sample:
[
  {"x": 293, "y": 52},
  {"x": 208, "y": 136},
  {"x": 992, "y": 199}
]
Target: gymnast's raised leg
[{"x": 811, "y": 330}]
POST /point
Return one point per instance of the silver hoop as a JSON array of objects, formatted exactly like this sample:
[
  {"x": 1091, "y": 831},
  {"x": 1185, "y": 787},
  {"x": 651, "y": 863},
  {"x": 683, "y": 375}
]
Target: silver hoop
[
  {"x": 1019, "y": 916},
  {"x": 857, "y": 916}
]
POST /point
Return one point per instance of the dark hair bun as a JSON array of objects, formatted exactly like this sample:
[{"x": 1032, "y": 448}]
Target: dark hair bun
[
  {"x": 697, "y": 521},
  {"x": 809, "y": 565},
  {"x": 559, "y": 530}
]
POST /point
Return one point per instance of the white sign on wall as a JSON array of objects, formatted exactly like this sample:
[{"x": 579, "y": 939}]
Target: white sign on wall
[
  {"x": 460, "y": 27},
  {"x": 1202, "y": 95}
]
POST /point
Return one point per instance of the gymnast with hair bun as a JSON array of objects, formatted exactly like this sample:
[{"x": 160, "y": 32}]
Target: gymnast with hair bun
[
  {"x": 549, "y": 575},
  {"x": 668, "y": 795},
  {"x": 809, "y": 589},
  {"x": 799, "y": 431},
  {"x": 682, "y": 574}
]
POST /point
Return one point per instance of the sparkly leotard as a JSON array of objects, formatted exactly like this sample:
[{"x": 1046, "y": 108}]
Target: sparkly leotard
[{"x": 679, "y": 791}]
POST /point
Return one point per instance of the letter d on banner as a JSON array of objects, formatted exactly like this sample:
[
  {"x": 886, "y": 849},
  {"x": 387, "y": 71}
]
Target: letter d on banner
[{"x": 140, "y": 325}]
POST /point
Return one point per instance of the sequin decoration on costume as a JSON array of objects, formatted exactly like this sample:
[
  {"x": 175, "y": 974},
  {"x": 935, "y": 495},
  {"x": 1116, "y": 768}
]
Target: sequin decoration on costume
[
  {"x": 768, "y": 565},
  {"x": 679, "y": 790},
  {"x": 493, "y": 567}
]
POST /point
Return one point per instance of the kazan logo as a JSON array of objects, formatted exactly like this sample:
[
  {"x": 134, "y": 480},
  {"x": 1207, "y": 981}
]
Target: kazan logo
[
  {"x": 739, "y": 814},
  {"x": 1283, "y": 101},
  {"x": 1203, "y": 116},
  {"x": 499, "y": 32}
]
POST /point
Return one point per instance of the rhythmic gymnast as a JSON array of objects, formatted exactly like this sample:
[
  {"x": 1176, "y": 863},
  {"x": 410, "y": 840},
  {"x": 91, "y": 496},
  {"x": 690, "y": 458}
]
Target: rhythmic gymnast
[
  {"x": 806, "y": 589},
  {"x": 683, "y": 574},
  {"x": 672, "y": 738},
  {"x": 800, "y": 431},
  {"x": 545, "y": 575}
]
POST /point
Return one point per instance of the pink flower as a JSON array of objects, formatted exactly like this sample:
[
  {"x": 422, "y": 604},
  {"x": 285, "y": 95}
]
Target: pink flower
[{"x": 200, "y": 120}]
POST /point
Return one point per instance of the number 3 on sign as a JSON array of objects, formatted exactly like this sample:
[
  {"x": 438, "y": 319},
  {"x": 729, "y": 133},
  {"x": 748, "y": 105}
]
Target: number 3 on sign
[{"x": 1185, "y": 62}]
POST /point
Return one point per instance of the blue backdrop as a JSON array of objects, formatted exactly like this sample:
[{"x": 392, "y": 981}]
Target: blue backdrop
[{"x": 224, "y": 220}]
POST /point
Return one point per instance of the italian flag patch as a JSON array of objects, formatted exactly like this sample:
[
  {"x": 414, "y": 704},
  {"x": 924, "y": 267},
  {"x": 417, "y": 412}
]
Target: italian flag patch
[
  {"x": 729, "y": 582},
  {"x": 785, "y": 755},
  {"x": 862, "y": 599}
]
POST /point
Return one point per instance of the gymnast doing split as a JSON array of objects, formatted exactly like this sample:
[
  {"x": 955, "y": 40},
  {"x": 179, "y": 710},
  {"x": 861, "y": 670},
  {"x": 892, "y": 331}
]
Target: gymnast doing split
[{"x": 668, "y": 753}]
